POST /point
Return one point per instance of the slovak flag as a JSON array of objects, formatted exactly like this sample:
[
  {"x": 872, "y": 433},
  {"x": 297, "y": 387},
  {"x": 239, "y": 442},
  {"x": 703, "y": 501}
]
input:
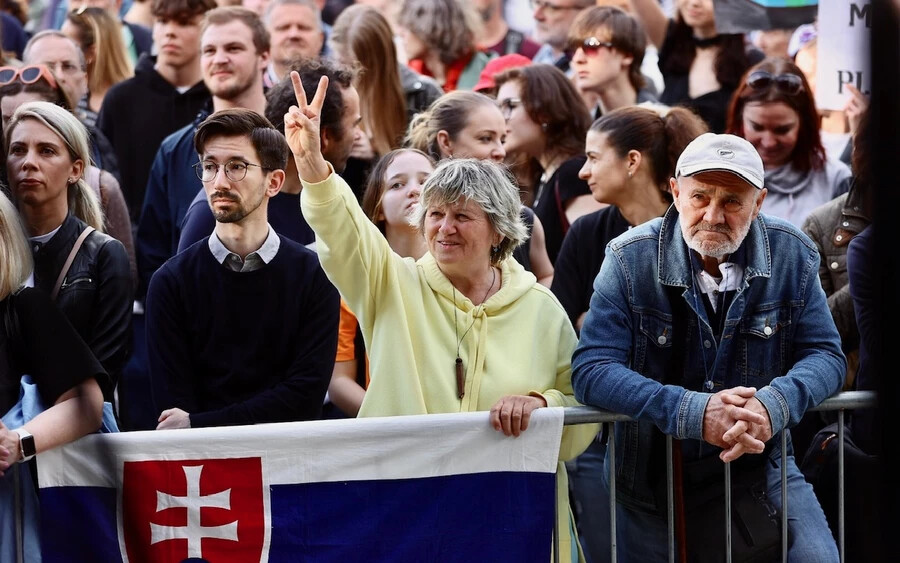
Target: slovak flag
[{"x": 444, "y": 487}]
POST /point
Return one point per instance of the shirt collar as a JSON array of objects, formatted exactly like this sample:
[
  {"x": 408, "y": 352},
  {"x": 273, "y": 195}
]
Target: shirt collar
[{"x": 266, "y": 252}]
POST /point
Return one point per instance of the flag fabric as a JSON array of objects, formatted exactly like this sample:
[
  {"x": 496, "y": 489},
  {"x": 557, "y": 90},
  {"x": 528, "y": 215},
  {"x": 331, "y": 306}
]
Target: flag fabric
[
  {"x": 743, "y": 16},
  {"x": 444, "y": 487}
]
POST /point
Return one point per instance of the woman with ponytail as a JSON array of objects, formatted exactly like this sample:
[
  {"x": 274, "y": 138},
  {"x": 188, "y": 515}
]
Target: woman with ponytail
[
  {"x": 84, "y": 270},
  {"x": 631, "y": 154}
]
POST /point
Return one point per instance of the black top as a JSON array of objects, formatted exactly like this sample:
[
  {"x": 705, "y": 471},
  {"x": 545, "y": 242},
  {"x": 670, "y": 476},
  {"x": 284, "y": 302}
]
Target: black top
[
  {"x": 242, "y": 347},
  {"x": 712, "y": 106},
  {"x": 582, "y": 255},
  {"x": 137, "y": 114},
  {"x": 36, "y": 339},
  {"x": 551, "y": 200}
]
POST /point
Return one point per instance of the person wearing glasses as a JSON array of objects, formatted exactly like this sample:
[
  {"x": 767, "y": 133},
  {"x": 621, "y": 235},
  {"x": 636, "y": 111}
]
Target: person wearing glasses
[
  {"x": 700, "y": 67},
  {"x": 552, "y": 20},
  {"x": 469, "y": 125},
  {"x": 242, "y": 326},
  {"x": 85, "y": 271},
  {"x": 606, "y": 46},
  {"x": 775, "y": 110},
  {"x": 546, "y": 120}
]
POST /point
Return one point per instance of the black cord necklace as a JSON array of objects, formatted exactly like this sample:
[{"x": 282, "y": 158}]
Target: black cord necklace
[
  {"x": 704, "y": 42},
  {"x": 460, "y": 372}
]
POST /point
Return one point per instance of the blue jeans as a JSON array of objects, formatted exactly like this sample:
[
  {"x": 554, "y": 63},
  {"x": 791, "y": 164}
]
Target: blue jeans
[
  {"x": 591, "y": 501},
  {"x": 642, "y": 537}
]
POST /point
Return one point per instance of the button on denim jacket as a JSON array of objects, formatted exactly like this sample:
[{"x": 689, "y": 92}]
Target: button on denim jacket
[{"x": 778, "y": 336}]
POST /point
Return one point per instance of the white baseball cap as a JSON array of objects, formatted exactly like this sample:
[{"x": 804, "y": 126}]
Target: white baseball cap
[{"x": 727, "y": 153}]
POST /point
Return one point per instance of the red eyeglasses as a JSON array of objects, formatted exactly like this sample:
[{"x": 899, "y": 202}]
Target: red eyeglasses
[
  {"x": 26, "y": 75},
  {"x": 590, "y": 46}
]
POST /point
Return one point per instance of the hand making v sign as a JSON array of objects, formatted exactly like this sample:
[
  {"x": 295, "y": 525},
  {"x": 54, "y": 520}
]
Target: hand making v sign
[{"x": 301, "y": 129}]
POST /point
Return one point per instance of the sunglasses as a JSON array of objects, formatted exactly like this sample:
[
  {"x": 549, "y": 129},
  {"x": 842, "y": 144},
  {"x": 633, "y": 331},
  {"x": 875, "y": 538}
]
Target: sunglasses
[
  {"x": 590, "y": 46},
  {"x": 26, "y": 75},
  {"x": 787, "y": 83}
]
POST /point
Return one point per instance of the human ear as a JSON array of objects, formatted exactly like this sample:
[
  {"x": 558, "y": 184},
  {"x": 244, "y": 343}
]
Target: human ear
[
  {"x": 275, "y": 182},
  {"x": 673, "y": 186},
  {"x": 444, "y": 143}
]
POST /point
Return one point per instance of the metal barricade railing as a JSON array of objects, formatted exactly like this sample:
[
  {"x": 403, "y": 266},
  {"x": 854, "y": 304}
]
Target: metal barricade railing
[{"x": 840, "y": 402}]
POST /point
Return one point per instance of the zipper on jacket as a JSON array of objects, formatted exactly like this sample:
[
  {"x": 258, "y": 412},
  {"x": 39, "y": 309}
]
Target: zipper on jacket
[{"x": 67, "y": 283}]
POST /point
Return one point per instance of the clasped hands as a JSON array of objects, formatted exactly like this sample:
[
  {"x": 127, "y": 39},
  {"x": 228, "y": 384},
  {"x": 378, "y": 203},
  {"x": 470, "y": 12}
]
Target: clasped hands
[{"x": 737, "y": 422}]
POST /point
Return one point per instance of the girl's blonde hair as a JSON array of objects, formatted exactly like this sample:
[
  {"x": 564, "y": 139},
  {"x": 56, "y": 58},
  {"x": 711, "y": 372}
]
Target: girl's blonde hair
[{"x": 15, "y": 255}]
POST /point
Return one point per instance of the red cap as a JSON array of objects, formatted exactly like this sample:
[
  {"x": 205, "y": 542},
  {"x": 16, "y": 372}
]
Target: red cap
[{"x": 496, "y": 66}]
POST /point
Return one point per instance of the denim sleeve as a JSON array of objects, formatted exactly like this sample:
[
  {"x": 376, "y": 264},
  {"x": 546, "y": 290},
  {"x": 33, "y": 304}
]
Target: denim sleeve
[
  {"x": 601, "y": 375},
  {"x": 818, "y": 363}
]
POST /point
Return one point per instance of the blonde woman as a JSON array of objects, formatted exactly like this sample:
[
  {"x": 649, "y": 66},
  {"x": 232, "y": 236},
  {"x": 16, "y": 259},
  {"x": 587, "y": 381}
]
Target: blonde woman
[
  {"x": 100, "y": 38},
  {"x": 47, "y": 155}
]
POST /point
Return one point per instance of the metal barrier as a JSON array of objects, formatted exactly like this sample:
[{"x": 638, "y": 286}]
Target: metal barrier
[{"x": 840, "y": 402}]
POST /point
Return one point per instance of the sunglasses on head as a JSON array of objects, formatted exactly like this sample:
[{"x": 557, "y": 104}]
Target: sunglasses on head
[
  {"x": 787, "y": 83},
  {"x": 26, "y": 75},
  {"x": 590, "y": 46}
]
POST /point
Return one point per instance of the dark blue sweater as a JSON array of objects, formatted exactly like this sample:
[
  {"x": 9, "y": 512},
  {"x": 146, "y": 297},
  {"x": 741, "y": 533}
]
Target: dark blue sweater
[{"x": 242, "y": 348}]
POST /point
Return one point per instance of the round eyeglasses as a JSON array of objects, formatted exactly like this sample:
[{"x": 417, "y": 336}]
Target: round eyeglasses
[{"x": 235, "y": 170}]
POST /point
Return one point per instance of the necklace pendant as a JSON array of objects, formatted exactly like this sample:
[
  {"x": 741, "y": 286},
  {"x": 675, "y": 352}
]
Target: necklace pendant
[{"x": 460, "y": 378}]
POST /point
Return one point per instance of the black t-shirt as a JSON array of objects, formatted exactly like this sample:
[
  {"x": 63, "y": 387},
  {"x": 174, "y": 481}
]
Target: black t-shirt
[
  {"x": 582, "y": 255},
  {"x": 36, "y": 339},
  {"x": 552, "y": 198}
]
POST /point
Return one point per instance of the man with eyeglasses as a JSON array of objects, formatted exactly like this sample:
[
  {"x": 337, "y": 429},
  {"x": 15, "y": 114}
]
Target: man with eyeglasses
[
  {"x": 552, "y": 20},
  {"x": 64, "y": 58},
  {"x": 606, "y": 47},
  {"x": 241, "y": 326}
]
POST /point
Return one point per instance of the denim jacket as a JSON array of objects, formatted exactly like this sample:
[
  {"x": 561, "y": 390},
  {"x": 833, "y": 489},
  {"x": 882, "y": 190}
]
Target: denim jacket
[{"x": 778, "y": 336}]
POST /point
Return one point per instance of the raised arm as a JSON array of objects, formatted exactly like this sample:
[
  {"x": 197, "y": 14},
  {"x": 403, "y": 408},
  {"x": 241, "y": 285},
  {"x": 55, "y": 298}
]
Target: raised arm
[
  {"x": 301, "y": 129},
  {"x": 652, "y": 18}
]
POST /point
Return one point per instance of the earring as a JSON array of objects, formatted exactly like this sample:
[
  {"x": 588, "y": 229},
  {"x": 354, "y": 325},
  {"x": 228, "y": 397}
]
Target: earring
[
  {"x": 495, "y": 249},
  {"x": 630, "y": 173},
  {"x": 544, "y": 126}
]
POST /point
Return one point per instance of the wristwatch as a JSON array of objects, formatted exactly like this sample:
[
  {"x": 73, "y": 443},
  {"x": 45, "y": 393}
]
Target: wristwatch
[{"x": 26, "y": 445}]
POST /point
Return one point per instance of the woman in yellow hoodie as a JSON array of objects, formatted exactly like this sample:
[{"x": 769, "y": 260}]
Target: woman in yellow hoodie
[{"x": 465, "y": 327}]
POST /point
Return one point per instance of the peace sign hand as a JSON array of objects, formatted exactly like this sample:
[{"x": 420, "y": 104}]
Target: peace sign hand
[{"x": 301, "y": 129}]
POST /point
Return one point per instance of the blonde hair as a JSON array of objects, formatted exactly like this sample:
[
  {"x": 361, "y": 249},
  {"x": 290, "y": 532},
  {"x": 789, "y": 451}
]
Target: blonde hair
[
  {"x": 100, "y": 31},
  {"x": 366, "y": 35},
  {"x": 82, "y": 200},
  {"x": 15, "y": 255}
]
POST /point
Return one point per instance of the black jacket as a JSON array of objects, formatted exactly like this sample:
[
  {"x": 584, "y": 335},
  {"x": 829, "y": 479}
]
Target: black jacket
[
  {"x": 137, "y": 114},
  {"x": 96, "y": 294}
]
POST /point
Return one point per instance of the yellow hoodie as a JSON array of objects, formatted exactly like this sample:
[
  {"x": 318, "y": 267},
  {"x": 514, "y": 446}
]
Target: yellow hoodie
[{"x": 520, "y": 341}]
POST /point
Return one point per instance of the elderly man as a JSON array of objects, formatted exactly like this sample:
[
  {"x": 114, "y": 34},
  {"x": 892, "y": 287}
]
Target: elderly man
[
  {"x": 298, "y": 34},
  {"x": 710, "y": 325}
]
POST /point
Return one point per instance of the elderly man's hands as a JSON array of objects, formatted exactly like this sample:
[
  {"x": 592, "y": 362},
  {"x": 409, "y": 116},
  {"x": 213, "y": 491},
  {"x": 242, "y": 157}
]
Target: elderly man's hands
[{"x": 737, "y": 422}]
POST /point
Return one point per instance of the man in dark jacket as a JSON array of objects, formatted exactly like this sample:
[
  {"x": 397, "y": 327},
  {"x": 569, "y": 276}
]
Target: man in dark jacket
[{"x": 165, "y": 94}]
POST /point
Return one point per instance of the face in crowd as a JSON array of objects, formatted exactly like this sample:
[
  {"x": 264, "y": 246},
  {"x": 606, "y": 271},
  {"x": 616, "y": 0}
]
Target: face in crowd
[
  {"x": 239, "y": 183},
  {"x": 177, "y": 40},
  {"x": 403, "y": 180},
  {"x": 715, "y": 210},
  {"x": 523, "y": 134},
  {"x": 39, "y": 165},
  {"x": 605, "y": 172},
  {"x": 229, "y": 60},
  {"x": 61, "y": 56},
  {"x": 295, "y": 33},
  {"x": 553, "y": 18},
  {"x": 482, "y": 137}
]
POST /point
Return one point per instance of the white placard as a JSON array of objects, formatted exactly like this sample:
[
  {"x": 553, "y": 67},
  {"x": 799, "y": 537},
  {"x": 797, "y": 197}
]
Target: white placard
[{"x": 843, "y": 51}]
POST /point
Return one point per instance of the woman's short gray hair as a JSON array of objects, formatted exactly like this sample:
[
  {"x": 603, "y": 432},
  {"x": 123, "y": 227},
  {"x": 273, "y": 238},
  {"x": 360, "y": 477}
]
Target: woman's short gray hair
[{"x": 485, "y": 183}]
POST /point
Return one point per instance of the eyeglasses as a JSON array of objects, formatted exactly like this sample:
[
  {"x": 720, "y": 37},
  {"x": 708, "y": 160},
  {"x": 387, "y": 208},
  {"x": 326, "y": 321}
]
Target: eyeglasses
[
  {"x": 26, "y": 75},
  {"x": 508, "y": 105},
  {"x": 788, "y": 83},
  {"x": 235, "y": 170},
  {"x": 548, "y": 7},
  {"x": 590, "y": 46}
]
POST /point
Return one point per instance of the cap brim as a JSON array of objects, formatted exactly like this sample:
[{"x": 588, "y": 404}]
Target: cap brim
[{"x": 736, "y": 170}]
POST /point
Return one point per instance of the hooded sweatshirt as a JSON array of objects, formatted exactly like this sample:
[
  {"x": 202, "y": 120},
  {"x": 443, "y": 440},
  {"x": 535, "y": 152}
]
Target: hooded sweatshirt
[
  {"x": 794, "y": 194},
  {"x": 518, "y": 342}
]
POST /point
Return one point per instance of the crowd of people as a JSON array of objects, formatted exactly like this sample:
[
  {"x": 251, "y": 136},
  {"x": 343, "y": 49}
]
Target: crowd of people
[{"x": 222, "y": 213}]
